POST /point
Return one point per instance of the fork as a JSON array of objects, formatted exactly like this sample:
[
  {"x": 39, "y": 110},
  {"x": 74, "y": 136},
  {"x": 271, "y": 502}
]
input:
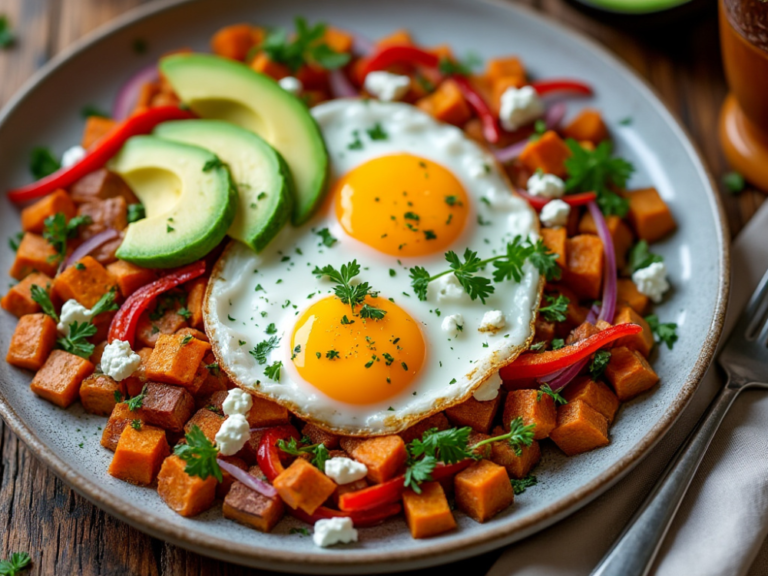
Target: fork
[{"x": 745, "y": 362}]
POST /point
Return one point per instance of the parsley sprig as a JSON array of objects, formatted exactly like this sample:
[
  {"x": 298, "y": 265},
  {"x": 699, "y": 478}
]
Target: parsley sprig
[
  {"x": 263, "y": 348},
  {"x": 318, "y": 452},
  {"x": 665, "y": 333},
  {"x": 519, "y": 486},
  {"x": 351, "y": 294},
  {"x": 465, "y": 67},
  {"x": 304, "y": 47},
  {"x": 555, "y": 309},
  {"x": 555, "y": 394},
  {"x": 42, "y": 162},
  {"x": 58, "y": 231},
  {"x": 599, "y": 363},
  {"x": 507, "y": 266},
  {"x": 15, "y": 564},
  {"x": 641, "y": 257},
  {"x": 76, "y": 342},
  {"x": 137, "y": 401},
  {"x": 596, "y": 170},
  {"x": 44, "y": 301},
  {"x": 200, "y": 455}
]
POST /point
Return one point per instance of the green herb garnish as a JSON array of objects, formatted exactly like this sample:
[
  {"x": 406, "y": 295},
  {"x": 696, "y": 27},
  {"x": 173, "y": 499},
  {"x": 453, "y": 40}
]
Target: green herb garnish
[{"x": 199, "y": 454}]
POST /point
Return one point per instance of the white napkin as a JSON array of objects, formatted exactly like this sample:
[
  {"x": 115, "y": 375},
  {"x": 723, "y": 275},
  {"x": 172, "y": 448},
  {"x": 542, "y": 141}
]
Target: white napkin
[{"x": 723, "y": 521}]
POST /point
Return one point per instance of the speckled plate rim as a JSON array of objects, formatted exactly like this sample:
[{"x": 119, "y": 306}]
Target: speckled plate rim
[{"x": 433, "y": 552}]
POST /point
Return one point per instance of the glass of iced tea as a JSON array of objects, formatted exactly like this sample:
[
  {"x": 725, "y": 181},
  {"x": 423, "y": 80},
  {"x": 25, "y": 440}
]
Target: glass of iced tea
[{"x": 744, "y": 116}]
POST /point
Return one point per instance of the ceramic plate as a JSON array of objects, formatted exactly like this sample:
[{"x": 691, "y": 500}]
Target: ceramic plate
[{"x": 47, "y": 112}]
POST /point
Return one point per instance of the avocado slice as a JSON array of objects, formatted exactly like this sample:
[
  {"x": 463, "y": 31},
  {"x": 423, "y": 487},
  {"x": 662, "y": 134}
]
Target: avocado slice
[
  {"x": 260, "y": 174},
  {"x": 223, "y": 89},
  {"x": 188, "y": 197}
]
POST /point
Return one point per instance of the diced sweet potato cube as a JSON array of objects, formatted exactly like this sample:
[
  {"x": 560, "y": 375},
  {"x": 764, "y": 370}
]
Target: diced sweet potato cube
[
  {"x": 642, "y": 341},
  {"x": 548, "y": 154},
  {"x": 167, "y": 407},
  {"x": 517, "y": 466},
  {"x": 98, "y": 352},
  {"x": 446, "y": 104},
  {"x": 58, "y": 381},
  {"x": 209, "y": 422},
  {"x": 554, "y": 239},
  {"x": 135, "y": 382},
  {"x": 139, "y": 455},
  {"x": 97, "y": 394},
  {"x": 543, "y": 331},
  {"x": 100, "y": 185},
  {"x": 301, "y": 485},
  {"x": 184, "y": 494},
  {"x": 215, "y": 401},
  {"x": 267, "y": 413},
  {"x": 103, "y": 214},
  {"x": 130, "y": 277},
  {"x": 34, "y": 254},
  {"x": 32, "y": 341},
  {"x": 195, "y": 297},
  {"x": 588, "y": 125},
  {"x": 475, "y": 414},
  {"x": 483, "y": 490},
  {"x": 338, "y": 40},
  {"x": 533, "y": 407},
  {"x": 96, "y": 127},
  {"x": 475, "y": 437},
  {"x": 201, "y": 375},
  {"x": 428, "y": 513},
  {"x": 120, "y": 418},
  {"x": 400, "y": 37},
  {"x": 317, "y": 435},
  {"x": 85, "y": 282},
  {"x": 620, "y": 234},
  {"x": 252, "y": 509},
  {"x": 195, "y": 333},
  {"x": 175, "y": 359},
  {"x": 628, "y": 293},
  {"x": 149, "y": 330},
  {"x": 649, "y": 214},
  {"x": 236, "y": 41},
  {"x": 264, "y": 64},
  {"x": 596, "y": 394},
  {"x": 215, "y": 381},
  {"x": 438, "y": 421},
  {"x": 574, "y": 315},
  {"x": 581, "y": 332},
  {"x": 629, "y": 373},
  {"x": 18, "y": 301},
  {"x": 584, "y": 269},
  {"x": 33, "y": 216},
  {"x": 504, "y": 67},
  {"x": 580, "y": 428},
  {"x": 383, "y": 455}
]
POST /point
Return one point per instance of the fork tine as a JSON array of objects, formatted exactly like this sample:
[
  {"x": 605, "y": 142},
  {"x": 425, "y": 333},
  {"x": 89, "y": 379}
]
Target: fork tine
[{"x": 754, "y": 311}]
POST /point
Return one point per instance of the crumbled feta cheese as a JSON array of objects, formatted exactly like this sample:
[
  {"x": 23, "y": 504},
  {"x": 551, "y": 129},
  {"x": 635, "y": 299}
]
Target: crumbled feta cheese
[
  {"x": 652, "y": 281},
  {"x": 555, "y": 213},
  {"x": 72, "y": 156},
  {"x": 519, "y": 106},
  {"x": 386, "y": 86},
  {"x": 448, "y": 288},
  {"x": 546, "y": 186},
  {"x": 237, "y": 402},
  {"x": 493, "y": 321},
  {"x": 118, "y": 361},
  {"x": 453, "y": 324},
  {"x": 291, "y": 84},
  {"x": 233, "y": 434},
  {"x": 489, "y": 389},
  {"x": 72, "y": 311},
  {"x": 332, "y": 531},
  {"x": 345, "y": 470}
]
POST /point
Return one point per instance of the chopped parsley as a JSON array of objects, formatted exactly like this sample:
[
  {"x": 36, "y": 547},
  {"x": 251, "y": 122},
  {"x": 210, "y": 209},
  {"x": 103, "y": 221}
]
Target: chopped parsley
[
  {"x": 273, "y": 371},
  {"x": 91, "y": 110},
  {"x": 303, "y": 47},
  {"x": 137, "y": 401},
  {"x": 263, "y": 348},
  {"x": 326, "y": 238},
  {"x": 213, "y": 164},
  {"x": 271, "y": 328},
  {"x": 377, "y": 132},
  {"x": 15, "y": 240},
  {"x": 58, "y": 231},
  {"x": 641, "y": 257},
  {"x": 136, "y": 424},
  {"x": 449, "y": 66},
  {"x": 200, "y": 455},
  {"x": 558, "y": 343},
  {"x": 42, "y": 163},
  {"x": 664, "y": 332},
  {"x": 19, "y": 560},
  {"x": 520, "y": 486},
  {"x": 349, "y": 294},
  {"x": 555, "y": 309},
  {"x": 555, "y": 394},
  {"x": 318, "y": 452},
  {"x": 42, "y": 298},
  {"x": 734, "y": 182},
  {"x": 6, "y": 38},
  {"x": 599, "y": 363}
]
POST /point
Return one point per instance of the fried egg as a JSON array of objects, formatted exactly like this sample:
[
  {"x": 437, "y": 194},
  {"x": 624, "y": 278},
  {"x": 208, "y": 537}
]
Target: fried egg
[{"x": 404, "y": 190}]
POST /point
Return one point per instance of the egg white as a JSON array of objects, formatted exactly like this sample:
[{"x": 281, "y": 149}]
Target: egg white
[{"x": 248, "y": 291}]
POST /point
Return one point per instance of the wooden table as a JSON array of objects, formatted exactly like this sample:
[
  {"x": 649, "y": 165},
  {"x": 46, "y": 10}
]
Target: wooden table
[{"x": 63, "y": 532}]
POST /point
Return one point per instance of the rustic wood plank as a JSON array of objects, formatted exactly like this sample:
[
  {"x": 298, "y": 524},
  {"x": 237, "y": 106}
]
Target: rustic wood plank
[{"x": 66, "y": 534}]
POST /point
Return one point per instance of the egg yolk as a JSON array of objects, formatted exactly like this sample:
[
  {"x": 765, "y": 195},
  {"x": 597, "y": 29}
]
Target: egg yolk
[
  {"x": 402, "y": 205},
  {"x": 356, "y": 360}
]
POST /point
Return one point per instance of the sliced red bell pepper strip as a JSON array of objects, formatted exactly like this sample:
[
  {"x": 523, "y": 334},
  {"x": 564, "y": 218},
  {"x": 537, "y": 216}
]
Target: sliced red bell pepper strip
[
  {"x": 124, "y": 323},
  {"x": 101, "y": 152},
  {"x": 533, "y": 365},
  {"x": 390, "y": 55},
  {"x": 392, "y": 490},
  {"x": 546, "y": 87},
  {"x": 268, "y": 454},
  {"x": 491, "y": 129},
  {"x": 538, "y": 202},
  {"x": 360, "y": 518}
]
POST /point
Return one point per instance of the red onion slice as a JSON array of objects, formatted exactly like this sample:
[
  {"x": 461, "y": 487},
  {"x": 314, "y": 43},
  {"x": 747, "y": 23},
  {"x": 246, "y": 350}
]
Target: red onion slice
[
  {"x": 608, "y": 307},
  {"x": 361, "y": 45},
  {"x": 341, "y": 87},
  {"x": 90, "y": 245},
  {"x": 510, "y": 152},
  {"x": 128, "y": 94},
  {"x": 552, "y": 118},
  {"x": 554, "y": 115},
  {"x": 249, "y": 480}
]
